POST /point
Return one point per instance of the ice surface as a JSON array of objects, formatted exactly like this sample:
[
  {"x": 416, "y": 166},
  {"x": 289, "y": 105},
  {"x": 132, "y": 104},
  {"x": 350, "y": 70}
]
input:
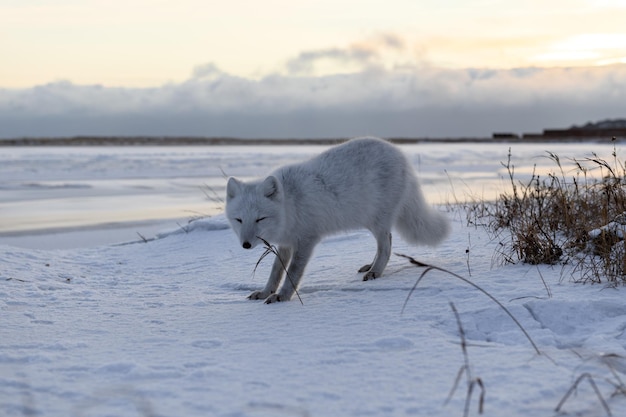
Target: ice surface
[{"x": 55, "y": 189}]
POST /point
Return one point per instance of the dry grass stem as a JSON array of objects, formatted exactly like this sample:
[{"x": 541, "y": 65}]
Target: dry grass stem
[
  {"x": 466, "y": 369},
  {"x": 575, "y": 386},
  {"x": 269, "y": 248},
  {"x": 467, "y": 281}
]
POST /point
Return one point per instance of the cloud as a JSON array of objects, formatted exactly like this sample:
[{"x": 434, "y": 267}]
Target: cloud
[
  {"x": 416, "y": 101},
  {"x": 207, "y": 72},
  {"x": 362, "y": 55},
  {"x": 305, "y": 62}
]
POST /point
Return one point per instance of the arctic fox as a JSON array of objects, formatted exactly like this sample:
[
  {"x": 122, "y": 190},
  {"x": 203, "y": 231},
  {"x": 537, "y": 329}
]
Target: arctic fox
[{"x": 363, "y": 183}]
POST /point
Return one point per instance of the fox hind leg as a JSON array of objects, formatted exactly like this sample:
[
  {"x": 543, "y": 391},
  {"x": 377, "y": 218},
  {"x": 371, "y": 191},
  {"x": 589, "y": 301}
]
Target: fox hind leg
[{"x": 383, "y": 252}]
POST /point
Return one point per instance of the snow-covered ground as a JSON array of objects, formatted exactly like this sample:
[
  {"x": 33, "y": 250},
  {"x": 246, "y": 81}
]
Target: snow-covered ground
[{"x": 163, "y": 328}]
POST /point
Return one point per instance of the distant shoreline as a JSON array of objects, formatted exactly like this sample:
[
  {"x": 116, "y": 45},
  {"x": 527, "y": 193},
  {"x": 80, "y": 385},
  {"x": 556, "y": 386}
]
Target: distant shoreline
[{"x": 227, "y": 141}]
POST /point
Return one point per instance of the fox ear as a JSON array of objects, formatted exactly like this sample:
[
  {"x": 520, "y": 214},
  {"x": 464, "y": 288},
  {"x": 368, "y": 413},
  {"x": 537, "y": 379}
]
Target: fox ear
[
  {"x": 233, "y": 187},
  {"x": 271, "y": 188}
]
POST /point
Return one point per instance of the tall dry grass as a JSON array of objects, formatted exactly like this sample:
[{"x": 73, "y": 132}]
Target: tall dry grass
[{"x": 573, "y": 216}]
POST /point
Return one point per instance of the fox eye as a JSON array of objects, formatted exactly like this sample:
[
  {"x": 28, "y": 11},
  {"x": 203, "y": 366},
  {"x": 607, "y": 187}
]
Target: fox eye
[
  {"x": 260, "y": 218},
  {"x": 238, "y": 220}
]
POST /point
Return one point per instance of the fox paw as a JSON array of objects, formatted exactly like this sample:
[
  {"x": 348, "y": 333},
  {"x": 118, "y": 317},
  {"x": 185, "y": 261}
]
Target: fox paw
[
  {"x": 370, "y": 275},
  {"x": 258, "y": 295},
  {"x": 365, "y": 268},
  {"x": 274, "y": 298}
]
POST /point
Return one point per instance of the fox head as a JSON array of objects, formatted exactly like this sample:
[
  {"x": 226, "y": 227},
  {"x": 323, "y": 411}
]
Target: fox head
[{"x": 255, "y": 210}]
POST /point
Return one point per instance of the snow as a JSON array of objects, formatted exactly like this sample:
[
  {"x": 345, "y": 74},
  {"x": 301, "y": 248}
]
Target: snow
[{"x": 163, "y": 327}]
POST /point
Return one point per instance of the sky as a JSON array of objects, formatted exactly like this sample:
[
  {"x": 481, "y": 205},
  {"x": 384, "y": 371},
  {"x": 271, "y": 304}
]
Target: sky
[{"x": 308, "y": 68}]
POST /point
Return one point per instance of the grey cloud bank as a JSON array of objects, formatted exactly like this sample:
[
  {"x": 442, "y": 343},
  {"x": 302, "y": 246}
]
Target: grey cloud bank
[{"x": 408, "y": 102}]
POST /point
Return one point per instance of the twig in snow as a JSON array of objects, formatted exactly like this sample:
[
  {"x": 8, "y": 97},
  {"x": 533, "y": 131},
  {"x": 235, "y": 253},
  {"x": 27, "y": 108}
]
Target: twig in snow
[
  {"x": 593, "y": 385},
  {"x": 183, "y": 228},
  {"x": 608, "y": 359},
  {"x": 544, "y": 284},
  {"x": 471, "y": 381},
  {"x": 16, "y": 279},
  {"x": 467, "y": 252}
]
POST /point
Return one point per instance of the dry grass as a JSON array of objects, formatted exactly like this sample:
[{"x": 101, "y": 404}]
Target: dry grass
[
  {"x": 574, "y": 387},
  {"x": 466, "y": 369},
  {"x": 573, "y": 217},
  {"x": 269, "y": 248},
  {"x": 429, "y": 268}
]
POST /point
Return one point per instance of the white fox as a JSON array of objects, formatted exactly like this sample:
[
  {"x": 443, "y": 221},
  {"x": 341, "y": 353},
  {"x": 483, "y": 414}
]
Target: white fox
[{"x": 363, "y": 183}]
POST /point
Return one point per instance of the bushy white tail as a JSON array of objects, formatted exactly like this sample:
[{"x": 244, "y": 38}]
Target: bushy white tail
[{"x": 419, "y": 223}]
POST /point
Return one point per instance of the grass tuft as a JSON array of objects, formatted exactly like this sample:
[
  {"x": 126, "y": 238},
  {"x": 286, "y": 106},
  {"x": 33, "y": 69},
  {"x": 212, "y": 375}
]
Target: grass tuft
[{"x": 571, "y": 216}]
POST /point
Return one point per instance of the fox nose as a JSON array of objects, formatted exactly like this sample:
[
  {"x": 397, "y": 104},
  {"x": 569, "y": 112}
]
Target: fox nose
[{"x": 246, "y": 245}]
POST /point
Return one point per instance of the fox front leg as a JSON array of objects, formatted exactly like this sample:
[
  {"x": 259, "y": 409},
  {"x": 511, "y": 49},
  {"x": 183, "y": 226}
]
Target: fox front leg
[
  {"x": 295, "y": 271},
  {"x": 278, "y": 268}
]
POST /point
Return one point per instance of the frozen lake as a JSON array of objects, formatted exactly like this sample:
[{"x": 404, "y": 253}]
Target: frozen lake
[{"x": 50, "y": 195}]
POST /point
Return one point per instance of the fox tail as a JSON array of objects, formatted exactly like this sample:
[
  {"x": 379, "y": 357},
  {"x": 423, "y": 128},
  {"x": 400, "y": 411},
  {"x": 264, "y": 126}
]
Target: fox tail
[{"x": 418, "y": 222}]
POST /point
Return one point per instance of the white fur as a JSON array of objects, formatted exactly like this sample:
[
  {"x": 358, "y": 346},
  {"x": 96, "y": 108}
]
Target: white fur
[{"x": 364, "y": 183}]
